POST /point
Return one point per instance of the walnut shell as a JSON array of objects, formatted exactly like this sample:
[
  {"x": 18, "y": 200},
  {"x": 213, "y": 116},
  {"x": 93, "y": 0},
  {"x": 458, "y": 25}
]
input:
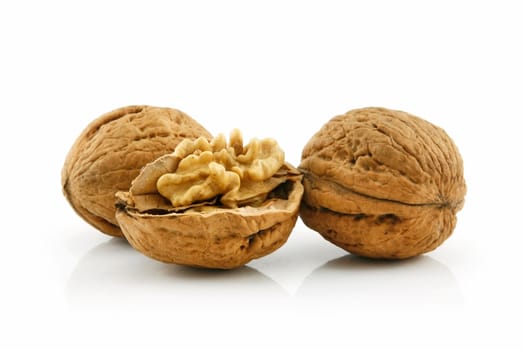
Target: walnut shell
[
  {"x": 208, "y": 231},
  {"x": 220, "y": 239},
  {"x": 382, "y": 183},
  {"x": 110, "y": 152}
]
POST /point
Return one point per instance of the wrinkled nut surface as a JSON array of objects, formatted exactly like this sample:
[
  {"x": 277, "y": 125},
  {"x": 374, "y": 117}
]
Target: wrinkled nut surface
[
  {"x": 212, "y": 204},
  {"x": 239, "y": 175},
  {"x": 382, "y": 183},
  {"x": 110, "y": 152}
]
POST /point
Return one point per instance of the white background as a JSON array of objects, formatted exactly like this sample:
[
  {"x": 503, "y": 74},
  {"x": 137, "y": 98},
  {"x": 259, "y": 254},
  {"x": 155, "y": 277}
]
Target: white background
[{"x": 278, "y": 69}]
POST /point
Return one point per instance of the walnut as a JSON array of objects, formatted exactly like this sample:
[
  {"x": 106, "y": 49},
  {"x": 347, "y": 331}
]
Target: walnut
[
  {"x": 110, "y": 152},
  {"x": 212, "y": 204},
  {"x": 382, "y": 183},
  {"x": 237, "y": 175}
]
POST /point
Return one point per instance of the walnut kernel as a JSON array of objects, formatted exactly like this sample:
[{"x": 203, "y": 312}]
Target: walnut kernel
[{"x": 214, "y": 169}]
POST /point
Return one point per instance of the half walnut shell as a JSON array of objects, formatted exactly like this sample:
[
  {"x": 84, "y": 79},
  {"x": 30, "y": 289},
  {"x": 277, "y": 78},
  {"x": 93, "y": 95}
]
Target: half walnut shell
[{"x": 208, "y": 230}]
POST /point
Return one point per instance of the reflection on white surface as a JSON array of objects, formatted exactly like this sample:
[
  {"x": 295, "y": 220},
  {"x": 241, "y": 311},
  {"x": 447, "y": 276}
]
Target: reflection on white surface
[
  {"x": 114, "y": 273},
  {"x": 420, "y": 281}
]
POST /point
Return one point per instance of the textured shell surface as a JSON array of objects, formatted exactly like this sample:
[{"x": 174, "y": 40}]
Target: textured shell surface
[
  {"x": 382, "y": 183},
  {"x": 110, "y": 152}
]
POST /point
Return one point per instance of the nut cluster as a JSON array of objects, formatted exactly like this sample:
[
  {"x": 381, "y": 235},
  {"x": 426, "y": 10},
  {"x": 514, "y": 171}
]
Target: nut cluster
[{"x": 376, "y": 182}]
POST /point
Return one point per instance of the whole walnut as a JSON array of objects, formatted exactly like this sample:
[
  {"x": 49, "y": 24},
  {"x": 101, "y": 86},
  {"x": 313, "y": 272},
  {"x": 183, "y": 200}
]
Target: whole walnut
[
  {"x": 382, "y": 183},
  {"x": 110, "y": 152}
]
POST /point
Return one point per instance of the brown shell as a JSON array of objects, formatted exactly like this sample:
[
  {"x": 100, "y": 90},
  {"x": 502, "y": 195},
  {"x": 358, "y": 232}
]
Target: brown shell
[
  {"x": 382, "y": 183},
  {"x": 219, "y": 238},
  {"x": 110, "y": 152}
]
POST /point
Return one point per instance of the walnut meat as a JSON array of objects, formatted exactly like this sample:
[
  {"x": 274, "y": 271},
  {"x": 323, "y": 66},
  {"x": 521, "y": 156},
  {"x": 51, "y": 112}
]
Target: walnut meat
[
  {"x": 110, "y": 152},
  {"x": 212, "y": 204},
  {"x": 382, "y": 183}
]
